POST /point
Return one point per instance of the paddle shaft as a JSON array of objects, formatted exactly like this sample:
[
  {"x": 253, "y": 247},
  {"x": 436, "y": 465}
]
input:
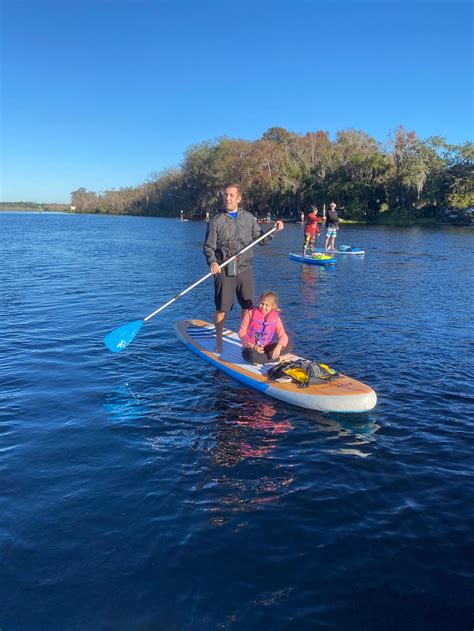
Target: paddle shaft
[{"x": 201, "y": 280}]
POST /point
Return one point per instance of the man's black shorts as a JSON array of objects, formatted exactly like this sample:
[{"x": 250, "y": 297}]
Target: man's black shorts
[{"x": 225, "y": 287}]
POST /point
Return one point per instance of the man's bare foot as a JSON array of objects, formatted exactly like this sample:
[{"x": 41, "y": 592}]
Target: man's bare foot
[{"x": 219, "y": 347}]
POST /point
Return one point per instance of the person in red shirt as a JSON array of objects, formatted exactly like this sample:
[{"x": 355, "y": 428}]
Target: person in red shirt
[
  {"x": 260, "y": 325},
  {"x": 311, "y": 230}
]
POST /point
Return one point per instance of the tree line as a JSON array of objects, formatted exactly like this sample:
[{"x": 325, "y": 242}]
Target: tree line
[{"x": 284, "y": 173}]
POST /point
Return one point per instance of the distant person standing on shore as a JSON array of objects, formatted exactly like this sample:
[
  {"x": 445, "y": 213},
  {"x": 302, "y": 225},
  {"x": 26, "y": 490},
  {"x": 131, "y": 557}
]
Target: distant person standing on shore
[
  {"x": 311, "y": 230},
  {"x": 332, "y": 226},
  {"x": 228, "y": 232}
]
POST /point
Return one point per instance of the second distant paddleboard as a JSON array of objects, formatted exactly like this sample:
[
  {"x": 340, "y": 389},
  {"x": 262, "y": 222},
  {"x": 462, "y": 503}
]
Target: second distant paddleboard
[{"x": 342, "y": 249}]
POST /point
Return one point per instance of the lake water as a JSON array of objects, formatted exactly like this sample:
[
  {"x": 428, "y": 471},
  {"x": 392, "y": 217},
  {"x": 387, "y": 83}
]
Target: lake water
[{"x": 146, "y": 490}]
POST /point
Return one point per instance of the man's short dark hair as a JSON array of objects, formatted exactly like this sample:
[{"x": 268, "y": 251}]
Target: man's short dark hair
[{"x": 234, "y": 185}]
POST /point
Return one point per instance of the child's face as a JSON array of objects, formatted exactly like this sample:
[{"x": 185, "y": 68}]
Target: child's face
[{"x": 266, "y": 305}]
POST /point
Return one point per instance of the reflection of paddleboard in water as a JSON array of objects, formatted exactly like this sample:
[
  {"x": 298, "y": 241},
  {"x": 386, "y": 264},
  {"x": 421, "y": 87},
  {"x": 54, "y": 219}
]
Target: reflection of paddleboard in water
[
  {"x": 316, "y": 259},
  {"x": 340, "y": 394},
  {"x": 343, "y": 249}
]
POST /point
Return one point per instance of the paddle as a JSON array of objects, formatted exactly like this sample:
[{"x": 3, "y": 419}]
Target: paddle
[{"x": 120, "y": 338}]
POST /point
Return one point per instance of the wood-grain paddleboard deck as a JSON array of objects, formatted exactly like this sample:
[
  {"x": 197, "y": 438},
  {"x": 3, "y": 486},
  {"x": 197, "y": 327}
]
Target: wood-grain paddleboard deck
[{"x": 341, "y": 394}]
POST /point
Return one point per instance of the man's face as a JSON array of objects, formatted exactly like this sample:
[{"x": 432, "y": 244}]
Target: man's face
[{"x": 231, "y": 199}]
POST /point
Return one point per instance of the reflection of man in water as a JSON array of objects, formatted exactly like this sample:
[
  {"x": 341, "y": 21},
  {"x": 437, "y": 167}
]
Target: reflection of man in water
[{"x": 246, "y": 432}]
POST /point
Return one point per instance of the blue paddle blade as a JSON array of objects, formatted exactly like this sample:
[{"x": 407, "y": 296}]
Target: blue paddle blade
[{"x": 120, "y": 338}]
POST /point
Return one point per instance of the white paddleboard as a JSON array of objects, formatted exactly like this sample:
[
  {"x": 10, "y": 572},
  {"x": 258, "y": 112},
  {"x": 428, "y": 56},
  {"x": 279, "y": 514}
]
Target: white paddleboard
[
  {"x": 352, "y": 250},
  {"x": 341, "y": 394}
]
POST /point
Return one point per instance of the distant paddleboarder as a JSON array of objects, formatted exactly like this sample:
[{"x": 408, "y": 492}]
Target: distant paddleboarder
[
  {"x": 311, "y": 230},
  {"x": 227, "y": 233},
  {"x": 332, "y": 226}
]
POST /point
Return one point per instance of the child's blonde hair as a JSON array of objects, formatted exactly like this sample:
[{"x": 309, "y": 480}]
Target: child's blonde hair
[{"x": 273, "y": 296}]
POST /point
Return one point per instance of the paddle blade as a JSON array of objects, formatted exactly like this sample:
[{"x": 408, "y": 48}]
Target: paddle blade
[{"x": 120, "y": 338}]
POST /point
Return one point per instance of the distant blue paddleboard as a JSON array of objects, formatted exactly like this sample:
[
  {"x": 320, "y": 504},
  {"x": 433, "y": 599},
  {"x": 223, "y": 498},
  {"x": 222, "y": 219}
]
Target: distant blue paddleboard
[{"x": 316, "y": 259}]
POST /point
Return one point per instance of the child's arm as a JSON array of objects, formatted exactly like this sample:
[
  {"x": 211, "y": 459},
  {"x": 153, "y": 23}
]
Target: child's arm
[
  {"x": 244, "y": 338},
  {"x": 282, "y": 336},
  {"x": 282, "y": 340}
]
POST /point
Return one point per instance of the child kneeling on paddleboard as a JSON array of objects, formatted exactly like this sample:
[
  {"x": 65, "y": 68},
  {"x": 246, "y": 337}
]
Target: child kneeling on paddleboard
[{"x": 259, "y": 326}]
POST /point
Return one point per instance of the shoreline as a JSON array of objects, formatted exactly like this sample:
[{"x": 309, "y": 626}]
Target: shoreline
[{"x": 458, "y": 222}]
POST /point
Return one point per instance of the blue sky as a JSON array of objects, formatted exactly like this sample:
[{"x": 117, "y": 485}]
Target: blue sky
[{"x": 101, "y": 94}]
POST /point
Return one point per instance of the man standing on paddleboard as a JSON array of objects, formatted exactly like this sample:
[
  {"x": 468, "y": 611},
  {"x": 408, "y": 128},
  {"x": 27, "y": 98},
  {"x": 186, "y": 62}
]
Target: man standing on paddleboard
[
  {"x": 228, "y": 232},
  {"x": 332, "y": 226}
]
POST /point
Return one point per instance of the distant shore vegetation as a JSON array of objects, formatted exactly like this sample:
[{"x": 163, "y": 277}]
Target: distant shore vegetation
[
  {"x": 35, "y": 206},
  {"x": 403, "y": 180}
]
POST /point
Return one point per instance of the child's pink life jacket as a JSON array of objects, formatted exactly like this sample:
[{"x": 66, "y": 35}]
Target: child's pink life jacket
[{"x": 261, "y": 329}]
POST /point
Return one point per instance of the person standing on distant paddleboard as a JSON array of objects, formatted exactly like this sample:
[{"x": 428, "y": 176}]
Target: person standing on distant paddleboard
[
  {"x": 311, "y": 230},
  {"x": 332, "y": 226},
  {"x": 227, "y": 233}
]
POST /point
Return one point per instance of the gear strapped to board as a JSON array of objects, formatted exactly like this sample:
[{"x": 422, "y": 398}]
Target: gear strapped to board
[{"x": 303, "y": 372}]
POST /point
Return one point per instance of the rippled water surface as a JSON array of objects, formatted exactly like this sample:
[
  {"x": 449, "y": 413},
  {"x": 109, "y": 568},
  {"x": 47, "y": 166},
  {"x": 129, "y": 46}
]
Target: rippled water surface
[{"x": 146, "y": 490}]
